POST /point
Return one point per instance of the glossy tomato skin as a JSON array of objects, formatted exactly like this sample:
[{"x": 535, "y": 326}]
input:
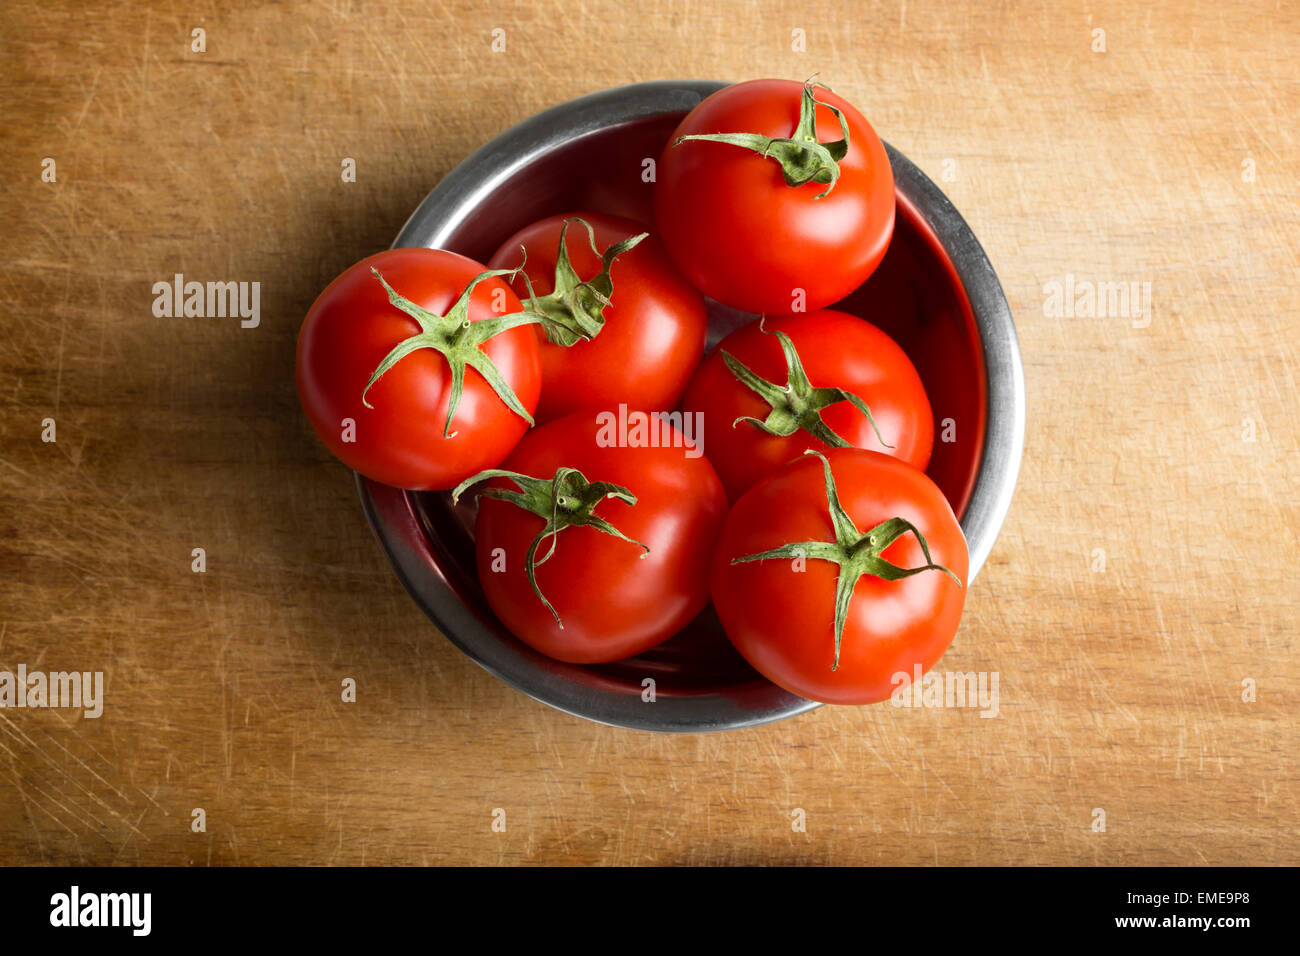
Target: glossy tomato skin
[
  {"x": 654, "y": 329},
  {"x": 352, "y": 326},
  {"x": 837, "y": 350},
  {"x": 614, "y": 603},
  {"x": 745, "y": 238},
  {"x": 782, "y": 620}
]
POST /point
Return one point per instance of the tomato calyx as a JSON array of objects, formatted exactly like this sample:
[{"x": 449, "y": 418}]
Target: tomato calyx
[
  {"x": 574, "y": 309},
  {"x": 459, "y": 341},
  {"x": 797, "y": 404},
  {"x": 567, "y": 500},
  {"x": 802, "y": 157},
  {"x": 856, "y": 553}
]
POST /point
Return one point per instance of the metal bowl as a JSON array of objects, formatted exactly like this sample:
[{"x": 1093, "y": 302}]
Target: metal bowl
[{"x": 935, "y": 293}]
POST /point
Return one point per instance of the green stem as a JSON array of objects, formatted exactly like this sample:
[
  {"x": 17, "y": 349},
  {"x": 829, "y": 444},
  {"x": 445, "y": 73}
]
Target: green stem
[
  {"x": 574, "y": 309},
  {"x": 796, "y": 404},
  {"x": 459, "y": 341},
  {"x": 802, "y": 157},
  {"x": 567, "y": 500},
  {"x": 856, "y": 553}
]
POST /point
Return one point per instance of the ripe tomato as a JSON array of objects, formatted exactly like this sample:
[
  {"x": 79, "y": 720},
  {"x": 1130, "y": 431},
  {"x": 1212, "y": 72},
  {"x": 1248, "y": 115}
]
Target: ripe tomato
[
  {"x": 799, "y": 399},
  {"x": 736, "y": 227},
  {"x": 825, "y": 591},
  {"x": 635, "y": 526},
  {"x": 399, "y": 429},
  {"x": 645, "y": 342}
]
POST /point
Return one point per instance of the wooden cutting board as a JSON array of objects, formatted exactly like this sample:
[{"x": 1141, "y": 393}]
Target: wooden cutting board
[{"x": 1143, "y": 582}]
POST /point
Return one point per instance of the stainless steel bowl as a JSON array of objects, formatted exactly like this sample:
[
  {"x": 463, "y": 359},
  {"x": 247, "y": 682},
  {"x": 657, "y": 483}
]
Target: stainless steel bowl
[{"x": 936, "y": 293}]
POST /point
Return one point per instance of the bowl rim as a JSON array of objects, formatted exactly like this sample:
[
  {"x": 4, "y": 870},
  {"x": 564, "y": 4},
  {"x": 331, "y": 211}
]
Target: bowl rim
[{"x": 391, "y": 513}]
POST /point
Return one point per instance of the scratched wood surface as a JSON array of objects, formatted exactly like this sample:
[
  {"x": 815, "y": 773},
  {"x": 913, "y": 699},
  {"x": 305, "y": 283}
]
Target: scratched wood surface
[{"x": 1142, "y": 581}]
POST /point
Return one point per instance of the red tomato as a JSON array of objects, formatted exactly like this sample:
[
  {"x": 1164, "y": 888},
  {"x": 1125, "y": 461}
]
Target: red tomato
[
  {"x": 780, "y": 612},
  {"x": 835, "y": 350},
  {"x": 404, "y": 438},
  {"x": 653, "y": 328},
  {"x": 745, "y": 237},
  {"x": 613, "y": 597}
]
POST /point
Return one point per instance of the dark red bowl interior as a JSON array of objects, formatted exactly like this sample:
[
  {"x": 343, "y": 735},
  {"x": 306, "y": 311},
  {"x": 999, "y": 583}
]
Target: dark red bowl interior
[{"x": 915, "y": 296}]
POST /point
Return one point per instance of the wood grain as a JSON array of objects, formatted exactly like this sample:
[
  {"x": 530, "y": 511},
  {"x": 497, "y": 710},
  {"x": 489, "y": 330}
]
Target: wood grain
[{"x": 1120, "y": 688}]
